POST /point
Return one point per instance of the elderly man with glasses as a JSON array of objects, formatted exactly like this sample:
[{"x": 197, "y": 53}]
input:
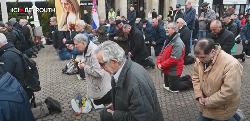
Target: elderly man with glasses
[{"x": 134, "y": 96}]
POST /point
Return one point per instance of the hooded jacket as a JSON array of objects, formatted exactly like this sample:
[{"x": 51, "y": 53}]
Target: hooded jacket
[{"x": 14, "y": 103}]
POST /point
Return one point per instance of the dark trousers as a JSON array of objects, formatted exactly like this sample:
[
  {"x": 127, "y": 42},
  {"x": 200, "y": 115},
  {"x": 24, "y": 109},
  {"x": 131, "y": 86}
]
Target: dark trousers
[
  {"x": 105, "y": 115},
  {"x": 148, "y": 42},
  {"x": 177, "y": 83},
  {"x": 247, "y": 51},
  {"x": 106, "y": 99}
]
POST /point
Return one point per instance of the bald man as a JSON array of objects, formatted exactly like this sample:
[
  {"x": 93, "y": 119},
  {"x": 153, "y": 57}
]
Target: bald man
[
  {"x": 224, "y": 37},
  {"x": 159, "y": 37},
  {"x": 184, "y": 34},
  {"x": 221, "y": 36}
]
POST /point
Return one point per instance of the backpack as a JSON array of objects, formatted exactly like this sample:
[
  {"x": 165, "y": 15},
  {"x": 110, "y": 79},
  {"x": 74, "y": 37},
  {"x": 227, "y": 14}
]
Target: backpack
[
  {"x": 21, "y": 44},
  {"x": 70, "y": 68},
  {"x": 31, "y": 80}
]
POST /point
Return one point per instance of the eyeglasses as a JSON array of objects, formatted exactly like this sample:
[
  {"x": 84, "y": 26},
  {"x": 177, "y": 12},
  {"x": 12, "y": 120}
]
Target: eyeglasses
[{"x": 102, "y": 64}]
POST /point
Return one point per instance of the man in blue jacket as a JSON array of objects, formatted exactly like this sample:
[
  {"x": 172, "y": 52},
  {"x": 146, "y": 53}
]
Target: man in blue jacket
[
  {"x": 131, "y": 16},
  {"x": 159, "y": 35},
  {"x": 147, "y": 34},
  {"x": 14, "y": 102},
  {"x": 189, "y": 17}
]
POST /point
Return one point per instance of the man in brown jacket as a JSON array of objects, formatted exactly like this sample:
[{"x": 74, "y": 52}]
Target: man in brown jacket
[
  {"x": 121, "y": 38},
  {"x": 216, "y": 82}
]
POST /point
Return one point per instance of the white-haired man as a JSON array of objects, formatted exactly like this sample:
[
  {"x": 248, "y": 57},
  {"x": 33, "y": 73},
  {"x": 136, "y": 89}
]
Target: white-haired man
[
  {"x": 171, "y": 61},
  {"x": 184, "y": 34},
  {"x": 134, "y": 96},
  {"x": 99, "y": 85}
]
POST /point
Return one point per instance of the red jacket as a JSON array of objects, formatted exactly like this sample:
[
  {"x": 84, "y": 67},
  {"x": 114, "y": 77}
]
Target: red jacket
[
  {"x": 243, "y": 22},
  {"x": 171, "y": 57}
]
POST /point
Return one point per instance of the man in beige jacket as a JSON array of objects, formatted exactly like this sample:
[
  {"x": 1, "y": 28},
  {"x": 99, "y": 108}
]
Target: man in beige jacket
[
  {"x": 99, "y": 81},
  {"x": 217, "y": 82}
]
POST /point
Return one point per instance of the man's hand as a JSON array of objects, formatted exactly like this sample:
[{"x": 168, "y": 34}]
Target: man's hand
[
  {"x": 110, "y": 111},
  {"x": 115, "y": 38},
  {"x": 64, "y": 40},
  {"x": 159, "y": 67},
  {"x": 201, "y": 19},
  {"x": 81, "y": 65},
  {"x": 153, "y": 43},
  {"x": 246, "y": 42},
  {"x": 130, "y": 54},
  {"x": 110, "y": 106},
  {"x": 202, "y": 100},
  {"x": 144, "y": 26}
]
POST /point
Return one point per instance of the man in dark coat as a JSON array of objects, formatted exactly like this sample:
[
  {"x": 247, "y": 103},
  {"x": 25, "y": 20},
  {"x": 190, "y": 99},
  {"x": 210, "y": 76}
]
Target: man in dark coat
[
  {"x": 134, "y": 96},
  {"x": 138, "y": 24},
  {"x": 229, "y": 24},
  {"x": 148, "y": 34},
  {"x": 111, "y": 29},
  {"x": 14, "y": 103},
  {"x": 184, "y": 34},
  {"x": 137, "y": 47},
  {"x": 245, "y": 36},
  {"x": 86, "y": 17},
  {"x": 154, "y": 14},
  {"x": 159, "y": 35},
  {"x": 141, "y": 13},
  {"x": 178, "y": 13},
  {"x": 189, "y": 17},
  {"x": 131, "y": 16},
  {"x": 221, "y": 36},
  {"x": 121, "y": 38}
]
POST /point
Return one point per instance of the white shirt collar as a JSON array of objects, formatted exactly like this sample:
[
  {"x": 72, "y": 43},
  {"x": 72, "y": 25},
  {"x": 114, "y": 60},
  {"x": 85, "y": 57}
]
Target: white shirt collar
[{"x": 117, "y": 74}]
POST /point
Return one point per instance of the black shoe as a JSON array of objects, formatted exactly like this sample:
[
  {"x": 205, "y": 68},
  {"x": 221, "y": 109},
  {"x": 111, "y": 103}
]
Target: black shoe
[
  {"x": 243, "y": 57},
  {"x": 42, "y": 46},
  {"x": 53, "y": 105}
]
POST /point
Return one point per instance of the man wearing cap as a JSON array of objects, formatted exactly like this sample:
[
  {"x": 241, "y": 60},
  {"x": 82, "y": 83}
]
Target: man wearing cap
[
  {"x": 207, "y": 16},
  {"x": 178, "y": 13},
  {"x": 229, "y": 24}
]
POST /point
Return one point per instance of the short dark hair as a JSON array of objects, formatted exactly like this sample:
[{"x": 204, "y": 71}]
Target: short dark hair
[
  {"x": 205, "y": 45},
  {"x": 8, "y": 23}
]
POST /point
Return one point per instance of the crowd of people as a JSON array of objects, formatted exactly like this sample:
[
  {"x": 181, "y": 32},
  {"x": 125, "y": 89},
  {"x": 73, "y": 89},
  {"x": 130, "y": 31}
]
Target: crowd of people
[{"x": 113, "y": 58}]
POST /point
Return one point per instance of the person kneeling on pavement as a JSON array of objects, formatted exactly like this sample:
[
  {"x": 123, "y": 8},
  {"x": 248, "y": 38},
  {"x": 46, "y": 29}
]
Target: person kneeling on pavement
[
  {"x": 12, "y": 63},
  {"x": 170, "y": 61},
  {"x": 99, "y": 84}
]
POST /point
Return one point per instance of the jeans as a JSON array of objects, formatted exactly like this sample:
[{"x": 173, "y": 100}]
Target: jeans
[
  {"x": 64, "y": 54},
  {"x": 191, "y": 39},
  {"x": 75, "y": 52},
  {"x": 236, "y": 117},
  {"x": 202, "y": 34}
]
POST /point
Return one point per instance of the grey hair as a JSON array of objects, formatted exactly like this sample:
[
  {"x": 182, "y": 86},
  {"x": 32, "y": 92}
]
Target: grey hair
[
  {"x": 218, "y": 23},
  {"x": 111, "y": 50},
  {"x": 81, "y": 23},
  {"x": 174, "y": 26},
  {"x": 79, "y": 38},
  {"x": 182, "y": 21},
  {"x": 3, "y": 39},
  {"x": 24, "y": 21},
  {"x": 126, "y": 26},
  {"x": 53, "y": 19}
]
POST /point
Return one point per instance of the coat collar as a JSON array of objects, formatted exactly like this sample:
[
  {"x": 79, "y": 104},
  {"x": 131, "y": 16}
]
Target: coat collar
[
  {"x": 123, "y": 74},
  {"x": 91, "y": 46}
]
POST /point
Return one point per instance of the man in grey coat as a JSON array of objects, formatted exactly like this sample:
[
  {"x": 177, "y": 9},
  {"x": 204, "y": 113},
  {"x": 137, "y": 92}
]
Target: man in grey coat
[
  {"x": 207, "y": 16},
  {"x": 133, "y": 93}
]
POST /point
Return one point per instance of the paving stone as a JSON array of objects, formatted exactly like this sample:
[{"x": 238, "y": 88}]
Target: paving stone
[{"x": 175, "y": 106}]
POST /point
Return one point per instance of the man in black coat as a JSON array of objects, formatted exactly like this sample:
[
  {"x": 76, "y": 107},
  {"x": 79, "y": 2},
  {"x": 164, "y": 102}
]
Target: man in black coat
[
  {"x": 133, "y": 94},
  {"x": 131, "y": 16},
  {"x": 86, "y": 17},
  {"x": 137, "y": 47},
  {"x": 154, "y": 14},
  {"x": 141, "y": 13},
  {"x": 178, "y": 13},
  {"x": 221, "y": 36},
  {"x": 184, "y": 34},
  {"x": 225, "y": 38},
  {"x": 229, "y": 24}
]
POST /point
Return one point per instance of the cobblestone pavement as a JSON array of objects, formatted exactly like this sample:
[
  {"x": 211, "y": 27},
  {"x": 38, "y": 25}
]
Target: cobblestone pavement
[{"x": 175, "y": 106}]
